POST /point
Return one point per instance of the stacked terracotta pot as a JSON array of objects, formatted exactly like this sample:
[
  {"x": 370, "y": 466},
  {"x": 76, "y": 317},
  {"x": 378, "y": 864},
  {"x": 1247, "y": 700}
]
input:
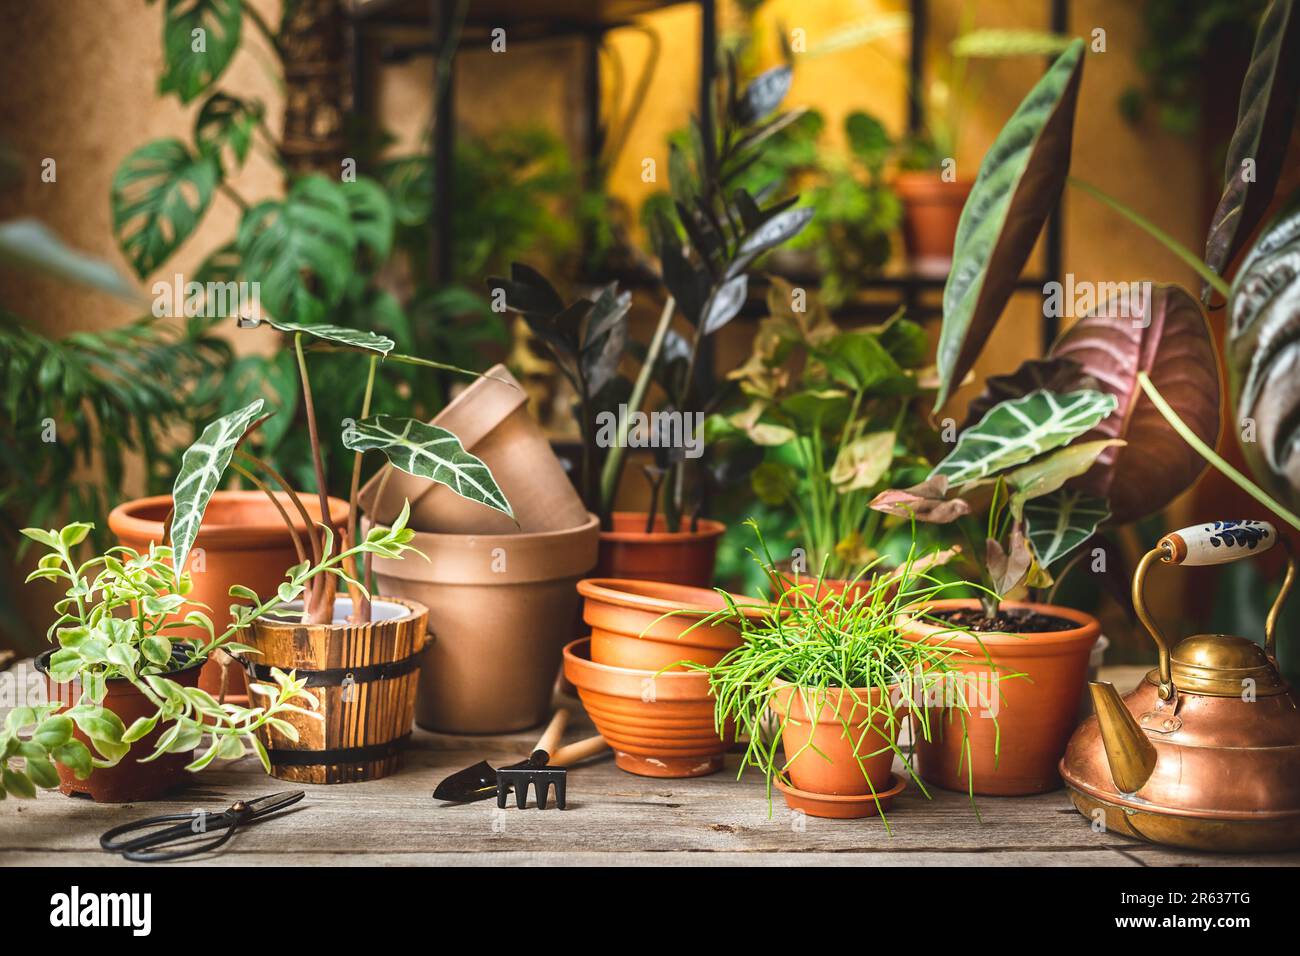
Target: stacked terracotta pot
[
  {"x": 634, "y": 678},
  {"x": 500, "y": 595}
]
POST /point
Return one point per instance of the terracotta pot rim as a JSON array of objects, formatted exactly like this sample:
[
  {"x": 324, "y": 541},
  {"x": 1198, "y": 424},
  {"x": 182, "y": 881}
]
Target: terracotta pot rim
[
  {"x": 42, "y": 665},
  {"x": 452, "y": 539},
  {"x": 897, "y": 784},
  {"x": 414, "y": 610},
  {"x": 125, "y": 522},
  {"x": 579, "y": 653},
  {"x": 623, "y": 592},
  {"x": 929, "y": 179},
  {"x": 860, "y": 697},
  {"x": 1059, "y": 642},
  {"x": 708, "y": 528}
]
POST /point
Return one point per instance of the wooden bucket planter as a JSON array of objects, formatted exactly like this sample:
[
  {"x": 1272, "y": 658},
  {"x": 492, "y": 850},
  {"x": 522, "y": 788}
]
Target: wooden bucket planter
[{"x": 365, "y": 677}]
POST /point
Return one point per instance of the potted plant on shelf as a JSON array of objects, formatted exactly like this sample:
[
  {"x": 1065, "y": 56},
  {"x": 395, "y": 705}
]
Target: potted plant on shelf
[
  {"x": 834, "y": 409},
  {"x": 718, "y": 233},
  {"x": 1051, "y": 451},
  {"x": 121, "y": 683},
  {"x": 840, "y": 676},
  {"x": 363, "y": 652}
]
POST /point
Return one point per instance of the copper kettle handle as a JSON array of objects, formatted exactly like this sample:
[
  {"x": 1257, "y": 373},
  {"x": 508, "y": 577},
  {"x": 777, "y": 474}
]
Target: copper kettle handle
[{"x": 1217, "y": 542}]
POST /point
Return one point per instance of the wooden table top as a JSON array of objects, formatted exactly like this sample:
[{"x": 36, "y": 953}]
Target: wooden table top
[{"x": 613, "y": 818}]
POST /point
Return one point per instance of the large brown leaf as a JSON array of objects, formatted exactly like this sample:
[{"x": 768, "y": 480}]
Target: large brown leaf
[
  {"x": 1269, "y": 94},
  {"x": 1018, "y": 185},
  {"x": 1169, "y": 339}
]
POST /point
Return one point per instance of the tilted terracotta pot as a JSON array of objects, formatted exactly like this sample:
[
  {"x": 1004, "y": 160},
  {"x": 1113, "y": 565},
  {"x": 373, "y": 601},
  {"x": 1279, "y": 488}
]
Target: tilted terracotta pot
[
  {"x": 492, "y": 421},
  {"x": 243, "y": 540},
  {"x": 855, "y": 743},
  {"x": 682, "y": 557},
  {"x": 1035, "y": 714},
  {"x": 658, "y": 725},
  {"x": 501, "y": 609},
  {"x": 931, "y": 210},
  {"x": 628, "y": 628},
  {"x": 129, "y": 780},
  {"x": 364, "y": 677}
]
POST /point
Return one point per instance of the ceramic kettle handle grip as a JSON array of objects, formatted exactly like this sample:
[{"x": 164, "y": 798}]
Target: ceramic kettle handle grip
[{"x": 1217, "y": 542}]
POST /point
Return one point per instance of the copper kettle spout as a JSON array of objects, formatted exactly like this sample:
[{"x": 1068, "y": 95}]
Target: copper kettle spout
[{"x": 1131, "y": 757}]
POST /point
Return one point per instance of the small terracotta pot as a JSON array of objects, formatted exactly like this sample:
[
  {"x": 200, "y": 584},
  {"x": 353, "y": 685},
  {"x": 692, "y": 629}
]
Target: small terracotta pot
[
  {"x": 855, "y": 745},
  {"x": 658, "y": 725},
  {"x": 931, "y": 210},
  {"x": 491, "y": 419},
  {"x": 129, "y": 780},
  {"x": 628, "y": 628},
  {"x": 364, "y": 677},
  {"x": 682, "y": 557},
  {"x": 804, "y": 587},
  {"x": 243, "y": 540},
  {"x": 501, "y": 609},
  {"x": 1035, "y": 714}
]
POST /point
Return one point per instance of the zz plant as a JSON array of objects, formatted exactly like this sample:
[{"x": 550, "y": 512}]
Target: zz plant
[
  {"x": 115, "y": 623},
  {"x": 706, "y": 252}
]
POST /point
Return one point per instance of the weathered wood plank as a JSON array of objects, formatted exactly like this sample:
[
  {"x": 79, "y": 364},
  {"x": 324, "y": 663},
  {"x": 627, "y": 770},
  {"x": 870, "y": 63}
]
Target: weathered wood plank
[{"x": 613, "y": 818}]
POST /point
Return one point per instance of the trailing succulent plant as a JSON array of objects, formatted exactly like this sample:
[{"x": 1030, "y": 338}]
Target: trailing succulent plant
[{"x": 706, "y": 251}]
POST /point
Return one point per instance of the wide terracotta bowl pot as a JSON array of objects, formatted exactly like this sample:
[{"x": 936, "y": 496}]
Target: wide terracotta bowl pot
[
  {"x": 931, "y": 211},
  {"x": 501, "y": 609},
  {"x": 129, "y": 780},
  {"x": 628, "y": 551},
  {"x": 243, "y": 540},
  {"x": 1018, "y": 726},
  {"x": 629, "y": 627},
  {"x": 658, "y": 725},
  {"x": 837, "y": 741}
]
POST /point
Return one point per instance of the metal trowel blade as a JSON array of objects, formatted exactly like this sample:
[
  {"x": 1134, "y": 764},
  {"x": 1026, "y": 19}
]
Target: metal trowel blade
[{"x": 478, "y": 782}]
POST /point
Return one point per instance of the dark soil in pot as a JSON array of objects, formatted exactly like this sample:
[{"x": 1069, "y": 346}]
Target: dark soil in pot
[{"x": 1013, "y": 621}]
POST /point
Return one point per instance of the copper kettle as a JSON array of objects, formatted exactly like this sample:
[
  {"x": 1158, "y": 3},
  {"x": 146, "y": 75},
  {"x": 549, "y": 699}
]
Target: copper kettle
[{"x": 1205, "y": 752}]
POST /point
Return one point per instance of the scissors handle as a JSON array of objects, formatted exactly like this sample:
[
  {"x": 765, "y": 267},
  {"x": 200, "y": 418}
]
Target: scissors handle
[{"x": 137, "y": 848}]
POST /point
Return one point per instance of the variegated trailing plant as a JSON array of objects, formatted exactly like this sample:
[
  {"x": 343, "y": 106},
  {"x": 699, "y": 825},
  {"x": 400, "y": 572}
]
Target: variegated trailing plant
[
  {"x": 706, "y": 252},
  {"x": 115, "y": 622}
]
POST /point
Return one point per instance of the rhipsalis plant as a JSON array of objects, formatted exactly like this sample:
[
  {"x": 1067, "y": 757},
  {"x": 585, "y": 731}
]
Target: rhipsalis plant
[{"x": 115, "y": 622}]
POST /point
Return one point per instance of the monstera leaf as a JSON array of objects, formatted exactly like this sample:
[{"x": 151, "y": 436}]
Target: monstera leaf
[
  {"x": 1263, "y": 353},
  {"x": 428, "y": 451},
  {"x": 159, "y": 194},
  {"x": 301, "y": 251},
  {"x": 200, "y": 38},
  {"x": 372, "y": 213},
  {"x": 1019, "y": 183},
  {"x": 227, "y": 122},
  {"x": 1058, "y": 523},
  {"x": 202, "y": 467},
  {"x": 1165, "y": 335},
  {"x": 356, "y": 339},
  {"x": 1267, "y": 112},
  {"x": 1021, "y": 429}
]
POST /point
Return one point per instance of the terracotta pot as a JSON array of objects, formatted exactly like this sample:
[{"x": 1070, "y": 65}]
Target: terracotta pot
[
  {"x": 805, "y": 587},
  {"x": 683, "y": 557},
  {"x": 363, "y": 675},
  {"x": 658, "y": 725},
  {"x": 243, "y": 540},
  {"x": 501, "y": 609},
  {"x": 855, "y": 757},
  {"x": 1035, "y": 714},
  {"x": 129, "y": 780},
  {"x": 628, "y": 628},
  {"x": 491, "y": 420},
  {"x": 931, "y": 211}
]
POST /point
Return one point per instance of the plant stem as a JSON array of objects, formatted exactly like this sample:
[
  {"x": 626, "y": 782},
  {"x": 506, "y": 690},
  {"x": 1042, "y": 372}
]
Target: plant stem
[
  {"x": 312, "y": 536},
  {"x": 284, "y": 515},
  {"x": 1209, "y": 454},
  {"x": 313, "y": 613},
  {"x": 613, "y": 467},
  {"x": 263, "y": 28},
  {"x": 233, "y": 196},
  {"x": 360, "y": 604},
  {"x": 1169, "y": 242}
]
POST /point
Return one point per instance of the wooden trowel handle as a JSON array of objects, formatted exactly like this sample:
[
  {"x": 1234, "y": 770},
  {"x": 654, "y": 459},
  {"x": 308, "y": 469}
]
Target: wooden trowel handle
[
  {"x": 577, "y": 752},
  {"x": 554, "y": 732}
]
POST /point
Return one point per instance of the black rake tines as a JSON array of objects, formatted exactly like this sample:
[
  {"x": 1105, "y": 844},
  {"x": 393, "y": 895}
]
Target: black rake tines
[{"x": 519, "y": 777}]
